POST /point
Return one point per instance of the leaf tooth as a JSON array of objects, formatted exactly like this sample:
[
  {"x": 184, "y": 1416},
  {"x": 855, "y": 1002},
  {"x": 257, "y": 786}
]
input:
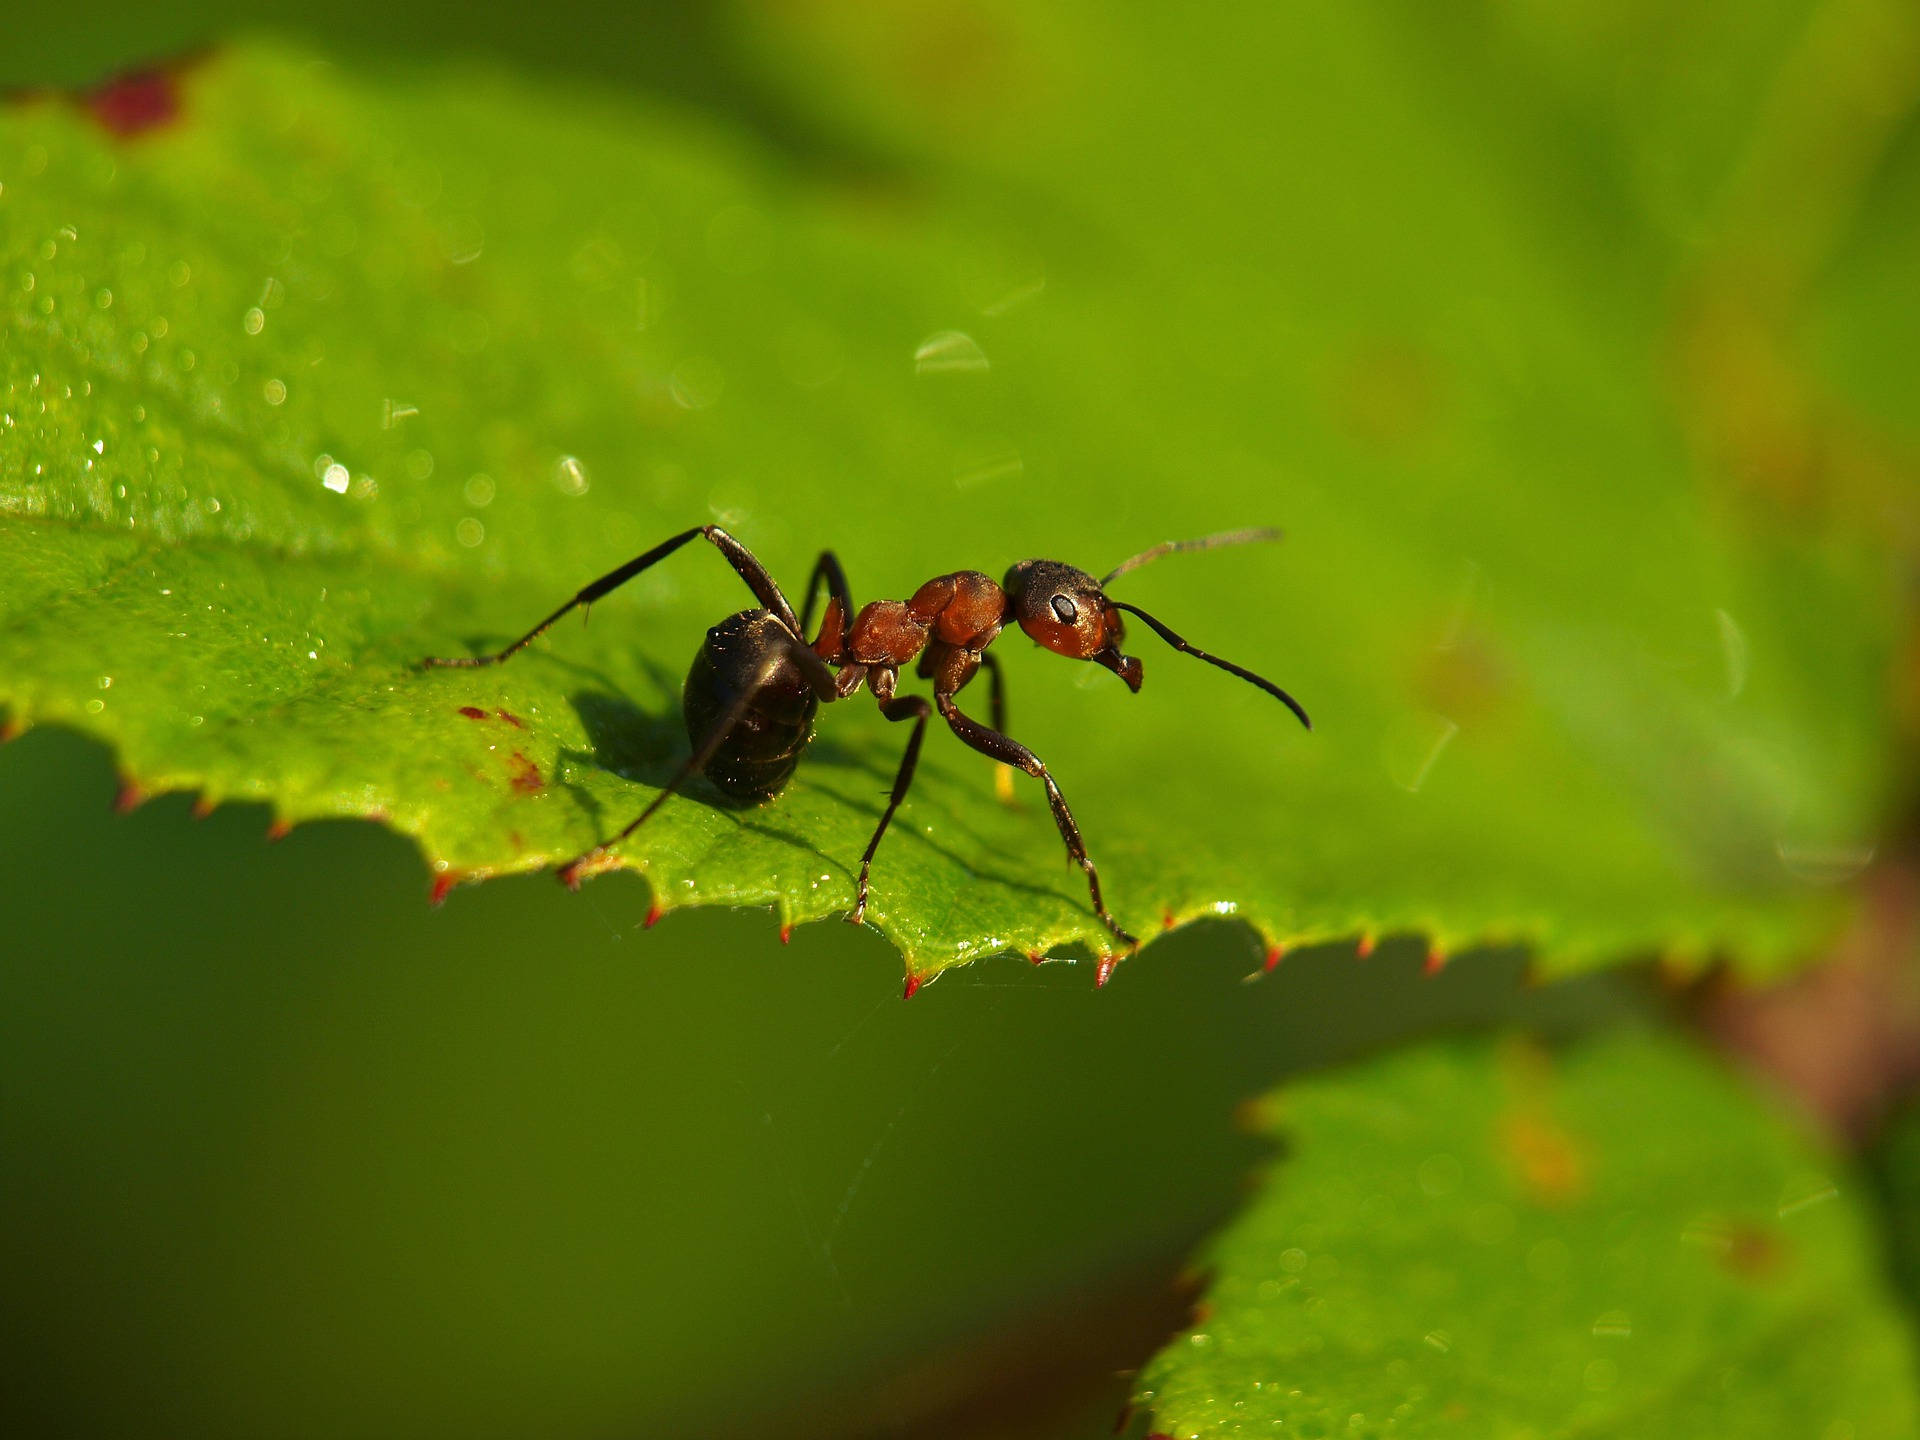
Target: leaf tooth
[{"x": 912, "y": 987}]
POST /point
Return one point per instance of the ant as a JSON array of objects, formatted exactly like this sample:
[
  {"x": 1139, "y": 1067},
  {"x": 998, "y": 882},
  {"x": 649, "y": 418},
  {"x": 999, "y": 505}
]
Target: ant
[{"x": 757, "y": 682}]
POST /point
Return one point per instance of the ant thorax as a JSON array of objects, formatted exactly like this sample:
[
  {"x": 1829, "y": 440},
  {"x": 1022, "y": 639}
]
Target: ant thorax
[{"x": 964, "y": 610}]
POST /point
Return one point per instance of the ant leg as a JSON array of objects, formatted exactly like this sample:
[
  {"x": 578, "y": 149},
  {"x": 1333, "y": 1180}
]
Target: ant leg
[
  {"x": 827, "y": 569},
  {"x": 996, "y": 692},
  {"x": 1009, "y": 751},
  {"x": 703, "y": 752},
  {"x": 997, "y": 709},
  {"x": 818, "y": 675},
  {"x": 749, "y": 569},
  {"x": 906, "y": 707}
]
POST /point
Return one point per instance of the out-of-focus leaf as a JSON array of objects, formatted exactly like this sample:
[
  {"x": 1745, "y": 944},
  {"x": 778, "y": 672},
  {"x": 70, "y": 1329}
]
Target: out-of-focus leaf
[
  {"x": 1896, "y": 1167},
  {"x": 1482, "y": 1240}
]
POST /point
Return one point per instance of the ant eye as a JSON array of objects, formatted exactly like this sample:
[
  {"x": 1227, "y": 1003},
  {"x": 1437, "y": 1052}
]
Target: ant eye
[{"x": 1064, "y": 609}]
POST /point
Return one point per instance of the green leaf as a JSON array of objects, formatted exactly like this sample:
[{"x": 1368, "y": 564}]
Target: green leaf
[
  {"x": 1484, "y": 1239},
  {"x": 338, "y": 370},
  {"x": 1895, "y": 1163}
]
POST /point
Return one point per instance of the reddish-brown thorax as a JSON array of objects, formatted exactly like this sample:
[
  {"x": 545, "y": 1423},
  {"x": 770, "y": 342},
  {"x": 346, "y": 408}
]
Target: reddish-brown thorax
[{"x": 964, "y": 610}]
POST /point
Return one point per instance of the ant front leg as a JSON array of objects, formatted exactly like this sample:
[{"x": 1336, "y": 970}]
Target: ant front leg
[
  {"x": 1008, "y": 751},
  {"x": 904, "y": 707}
]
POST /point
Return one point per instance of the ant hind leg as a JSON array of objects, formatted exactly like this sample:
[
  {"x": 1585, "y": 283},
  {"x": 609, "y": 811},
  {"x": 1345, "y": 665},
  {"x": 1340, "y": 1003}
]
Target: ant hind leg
[
  {"x": 818, "y": 675},
  {"x": 749, "y": 569}
]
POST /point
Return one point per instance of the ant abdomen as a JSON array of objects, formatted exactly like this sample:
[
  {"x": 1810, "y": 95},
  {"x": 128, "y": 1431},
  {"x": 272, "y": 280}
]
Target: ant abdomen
[{"x": 749, "y": 654}]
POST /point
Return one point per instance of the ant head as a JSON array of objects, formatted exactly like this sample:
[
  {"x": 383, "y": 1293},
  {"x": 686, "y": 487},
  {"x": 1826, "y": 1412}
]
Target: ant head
[
  {"x": 1066, "y": 611},
  {"x": 1070, "y": 613}
]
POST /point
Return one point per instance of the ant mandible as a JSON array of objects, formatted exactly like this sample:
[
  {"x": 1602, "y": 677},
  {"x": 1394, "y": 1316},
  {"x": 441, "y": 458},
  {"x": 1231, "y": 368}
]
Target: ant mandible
[{"x": 756, "y": 683}]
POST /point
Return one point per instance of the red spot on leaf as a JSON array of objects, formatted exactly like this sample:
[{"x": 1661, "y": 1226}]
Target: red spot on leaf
[
  {"x": 136, "y": 103},
  {"x": 1365, "y": 947},
  {"x": 1436, "y": 961},
  {"x": 1166, "y": 920},
  {"x": 654, "y": 912},
  {"x": 1551, "y": 1163},
  {"x": 1038, "y": 957},
  {"x": 280, "y": 828},
  {"x": 473, "y": 712},
  {"x": 524, "y": 775},
  {"x": 131, "y": 797},
  {"x": 786, "y": 933},
  {"x": 1753, "y": 1252},
  {"x": 443, "y": 884},
  {"x": 1275, "y": 954},
  {"x": 511, "y": 719},
  {"x": 911, "y": 988}
]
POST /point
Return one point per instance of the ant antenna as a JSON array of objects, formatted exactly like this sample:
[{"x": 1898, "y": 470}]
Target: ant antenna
[
  {"x": 1186, "y": 648},
  {"x": 1205, "y": 542}
]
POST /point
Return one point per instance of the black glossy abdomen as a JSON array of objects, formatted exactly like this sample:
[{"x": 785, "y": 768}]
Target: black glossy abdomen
[{"x": 750, "y": 652}]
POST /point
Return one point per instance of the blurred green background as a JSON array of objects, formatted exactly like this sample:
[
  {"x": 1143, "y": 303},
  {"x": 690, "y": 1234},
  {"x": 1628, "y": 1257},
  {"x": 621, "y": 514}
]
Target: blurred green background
[{"x": 289, "y": 1153}]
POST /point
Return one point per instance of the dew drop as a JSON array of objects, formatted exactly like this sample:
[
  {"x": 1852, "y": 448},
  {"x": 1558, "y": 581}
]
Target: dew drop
[
  {"x": 1802, "y": 1192},
  {"x": 949, "y": 352},
  {"x": 696, "y": 382},
  {"x": 1613, "y": 1325},
  {"x": 570, "y": 476}
]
